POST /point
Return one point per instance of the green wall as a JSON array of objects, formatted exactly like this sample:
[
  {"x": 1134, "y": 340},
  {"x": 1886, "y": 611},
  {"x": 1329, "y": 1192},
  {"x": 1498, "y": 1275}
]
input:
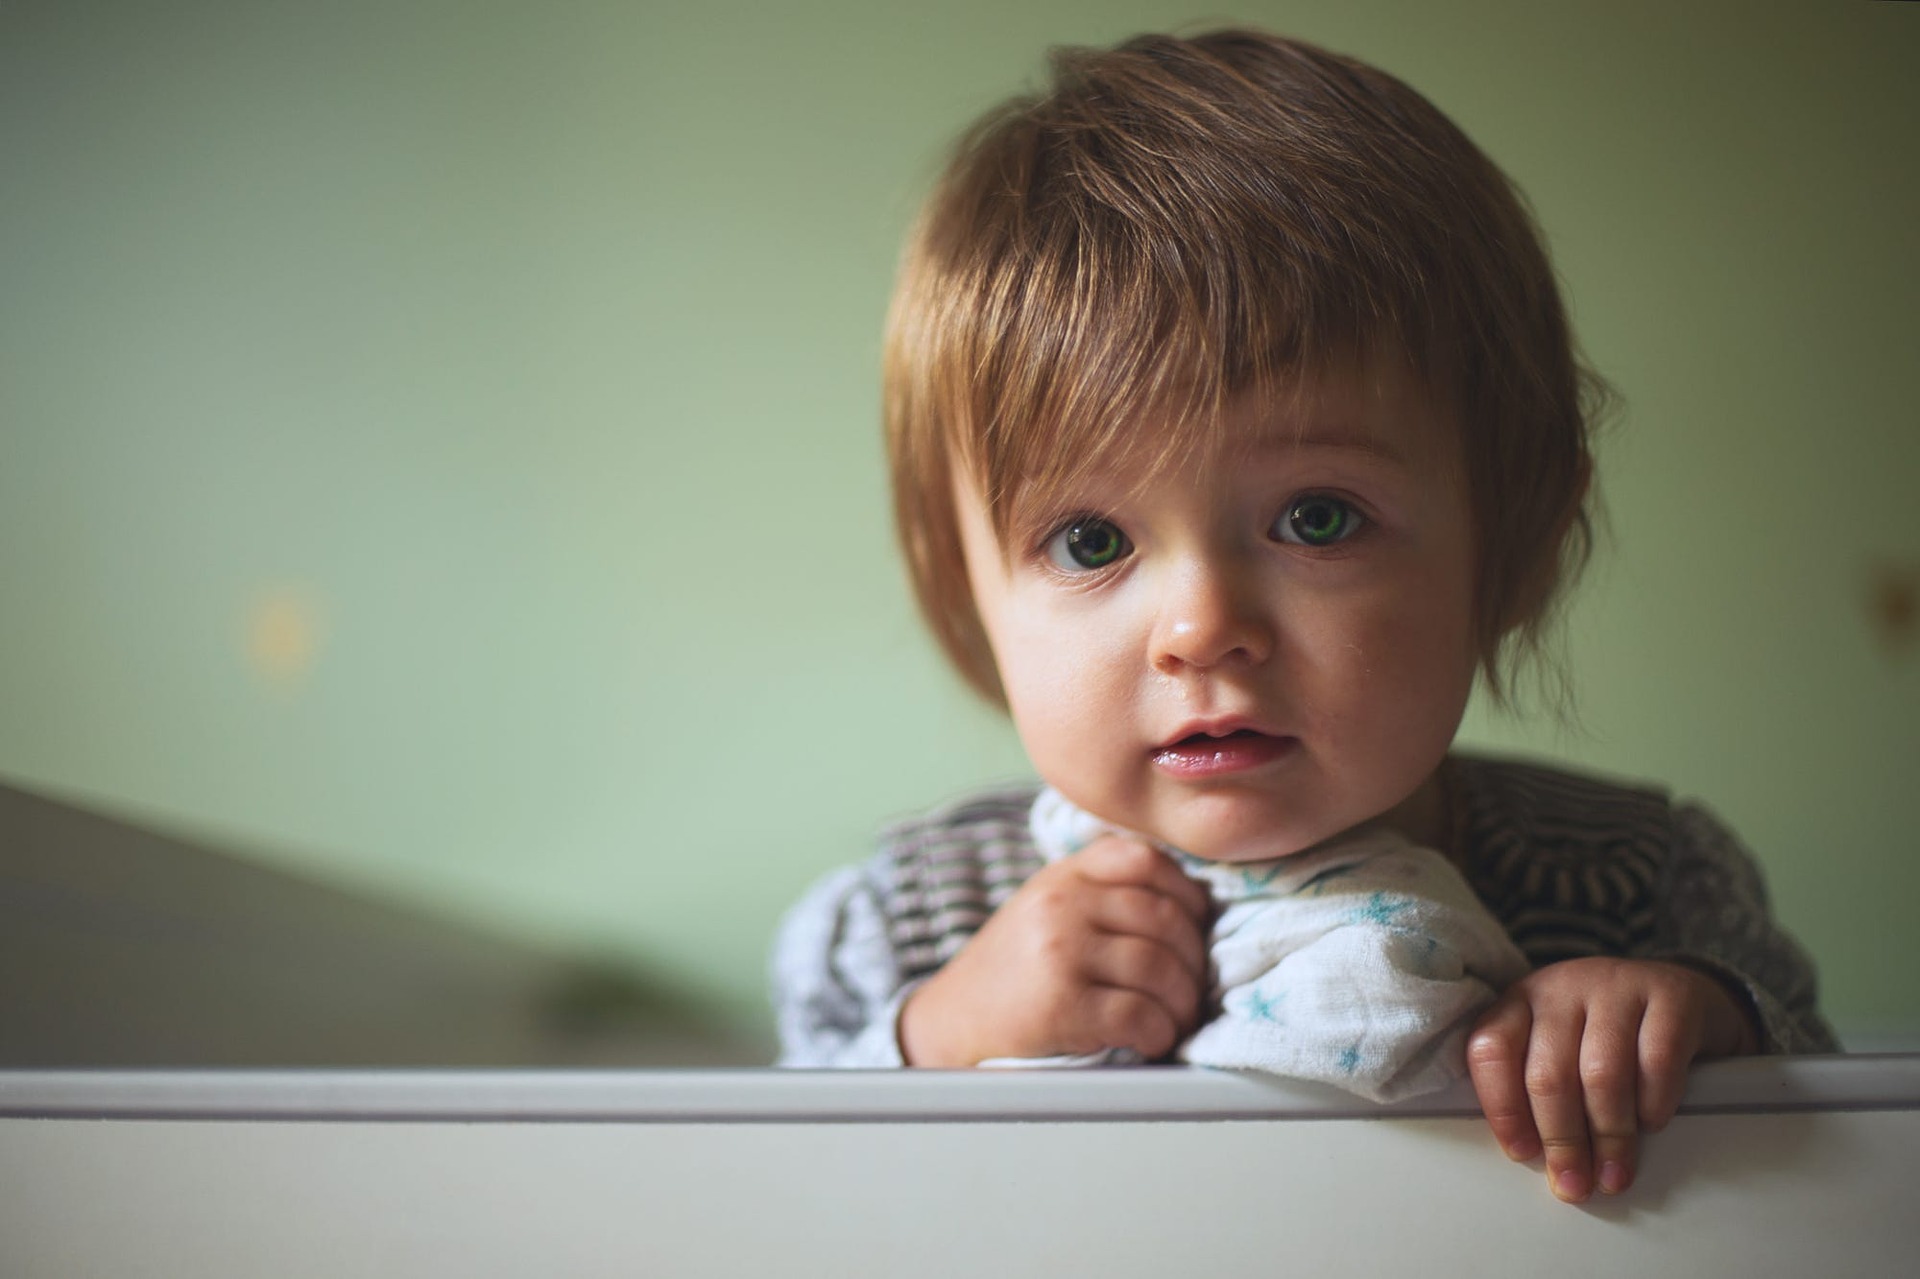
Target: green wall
[{"x": 438, "y": 441}]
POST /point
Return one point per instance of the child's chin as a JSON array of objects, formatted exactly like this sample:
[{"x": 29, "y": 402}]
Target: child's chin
[
  {"x": 1264, "y": 845},
  {"x": 1237, "y": 856},
  {"x": 1230, "y": 826}
]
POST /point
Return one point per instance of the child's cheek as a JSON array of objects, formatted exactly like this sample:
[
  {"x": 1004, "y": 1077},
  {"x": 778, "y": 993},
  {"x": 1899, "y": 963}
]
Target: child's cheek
[{"x": 1070, "y": 694}]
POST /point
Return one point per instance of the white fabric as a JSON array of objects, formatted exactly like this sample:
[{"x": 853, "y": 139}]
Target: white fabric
[{"x": 1361, "y": 962}]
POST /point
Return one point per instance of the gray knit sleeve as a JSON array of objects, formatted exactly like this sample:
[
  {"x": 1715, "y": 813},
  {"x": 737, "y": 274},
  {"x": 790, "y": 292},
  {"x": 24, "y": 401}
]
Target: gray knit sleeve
[
  {"x": 837, "y": 987},
  {"x": 1714, "y": 915}
]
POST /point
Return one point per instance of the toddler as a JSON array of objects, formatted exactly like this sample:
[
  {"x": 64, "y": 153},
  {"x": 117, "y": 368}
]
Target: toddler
[{"x": 1235, "y": 428}]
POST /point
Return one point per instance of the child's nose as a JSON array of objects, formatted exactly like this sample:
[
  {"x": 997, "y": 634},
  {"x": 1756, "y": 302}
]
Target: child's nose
[{"x": 1212, "y": 614}]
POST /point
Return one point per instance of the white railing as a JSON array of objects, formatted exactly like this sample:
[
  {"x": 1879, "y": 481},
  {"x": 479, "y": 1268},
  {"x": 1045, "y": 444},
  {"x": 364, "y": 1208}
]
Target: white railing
[{"x": 1790, "y": 1167}]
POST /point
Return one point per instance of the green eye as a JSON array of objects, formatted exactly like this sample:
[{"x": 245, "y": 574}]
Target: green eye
[
  {"x": 1088, "y": 543},
  {"x": 1317, "y": 519}
]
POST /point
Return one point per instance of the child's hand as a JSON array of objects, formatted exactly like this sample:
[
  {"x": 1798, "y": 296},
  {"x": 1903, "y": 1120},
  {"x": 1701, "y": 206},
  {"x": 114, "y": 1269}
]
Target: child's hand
[
  {"x": 1104, "y": 949},
  {"x": 1580, "y": 1057}
]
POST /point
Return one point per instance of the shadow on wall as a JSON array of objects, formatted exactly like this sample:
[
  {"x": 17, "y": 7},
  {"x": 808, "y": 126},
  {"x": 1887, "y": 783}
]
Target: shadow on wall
[{"x": 123, "y": 947}]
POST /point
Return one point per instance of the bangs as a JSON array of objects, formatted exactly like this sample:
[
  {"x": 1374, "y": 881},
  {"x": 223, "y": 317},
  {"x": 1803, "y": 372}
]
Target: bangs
[{"x": 1126, "y": 363}]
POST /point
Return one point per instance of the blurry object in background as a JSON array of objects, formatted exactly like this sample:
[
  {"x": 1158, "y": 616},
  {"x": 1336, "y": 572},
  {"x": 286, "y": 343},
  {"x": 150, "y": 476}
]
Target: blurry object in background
[
  {"x": 122, "y": 947},
  {"x": 1893, "y": 606},
  {"x": 285, "y": 626}
]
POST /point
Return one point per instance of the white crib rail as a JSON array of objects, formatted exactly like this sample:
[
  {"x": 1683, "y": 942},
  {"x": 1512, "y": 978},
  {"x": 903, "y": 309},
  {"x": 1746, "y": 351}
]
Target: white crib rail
[
  {"x": 1789, "y": 1167},
  {"x": 1749, "y": 1085}
]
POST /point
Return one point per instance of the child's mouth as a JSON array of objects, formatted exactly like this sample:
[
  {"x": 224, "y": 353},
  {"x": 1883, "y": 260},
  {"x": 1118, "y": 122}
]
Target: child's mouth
[{"x": 1204, "y": 755}]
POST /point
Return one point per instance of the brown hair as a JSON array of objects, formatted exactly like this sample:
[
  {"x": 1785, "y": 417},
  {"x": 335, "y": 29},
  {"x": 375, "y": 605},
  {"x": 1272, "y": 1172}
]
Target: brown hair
[{"x": 1176, "y": 221}]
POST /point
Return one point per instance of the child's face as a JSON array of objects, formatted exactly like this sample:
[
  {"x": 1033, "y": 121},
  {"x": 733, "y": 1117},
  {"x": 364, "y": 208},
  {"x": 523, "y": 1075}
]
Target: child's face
[{"x": 1244, "y": 659}]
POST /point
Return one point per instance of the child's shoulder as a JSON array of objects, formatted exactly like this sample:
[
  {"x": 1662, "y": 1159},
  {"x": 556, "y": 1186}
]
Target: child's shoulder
[
  {"x": 1529, "y": 831},
  {"x": 1538, "y": 836},
  {"x": 991, "y": 816},
  {"x": 1507, "y": 792},
  {"x": 940, "y": 875}
]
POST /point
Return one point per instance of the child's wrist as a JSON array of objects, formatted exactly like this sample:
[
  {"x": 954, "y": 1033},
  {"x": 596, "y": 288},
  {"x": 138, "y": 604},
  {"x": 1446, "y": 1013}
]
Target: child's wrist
[
  {"x": 912, "y": 1045},
  {"x": 920, "y": 1032},
  {"x": 1733, "y": 1023},
  {"x": 1743, "y": 1038}
]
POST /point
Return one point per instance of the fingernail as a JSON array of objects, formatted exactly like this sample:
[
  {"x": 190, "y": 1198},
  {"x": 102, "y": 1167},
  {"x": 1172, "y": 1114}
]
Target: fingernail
[
  {"x": 1613, "y": 1177},
  {"x": 1570, "y": 1184}
]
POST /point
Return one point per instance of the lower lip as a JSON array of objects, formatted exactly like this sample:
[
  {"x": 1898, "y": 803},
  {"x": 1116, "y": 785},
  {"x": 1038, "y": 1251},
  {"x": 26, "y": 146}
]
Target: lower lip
[{"x": 1223, "y": 756}]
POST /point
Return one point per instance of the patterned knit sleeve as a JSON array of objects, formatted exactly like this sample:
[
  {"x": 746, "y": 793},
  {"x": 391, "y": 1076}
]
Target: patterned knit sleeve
[
  {"x": 837, "y": 986},
  {"x": 1713, "y": 914}
]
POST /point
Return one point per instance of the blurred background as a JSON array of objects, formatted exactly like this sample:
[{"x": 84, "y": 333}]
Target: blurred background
[{"x": 447, "y": 605}]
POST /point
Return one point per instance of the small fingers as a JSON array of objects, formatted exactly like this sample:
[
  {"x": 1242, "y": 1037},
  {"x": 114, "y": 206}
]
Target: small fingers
[
  {"x": 1148, "y": 968},
  {"x": 1143, "y": 913},
  {"x": 1496, "y": 1059},
  {"x": 1668, "y": 1042},
  {"x": 1609, "y": 1078},
  {"x": 1605, "y": 1045},
  {"x": 1559, "y": 1107},
  {"x": 1120, "y": 1018},
  {"x": 1121, "y": 860}
]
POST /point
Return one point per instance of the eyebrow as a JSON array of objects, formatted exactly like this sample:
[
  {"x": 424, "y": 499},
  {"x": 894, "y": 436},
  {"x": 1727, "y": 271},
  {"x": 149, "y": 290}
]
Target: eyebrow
[{"x": 1337, "y": 440}]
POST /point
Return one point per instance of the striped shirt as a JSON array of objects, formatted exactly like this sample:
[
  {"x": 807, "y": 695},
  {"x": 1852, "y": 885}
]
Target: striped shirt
[{"x": 1570, "y": 865}]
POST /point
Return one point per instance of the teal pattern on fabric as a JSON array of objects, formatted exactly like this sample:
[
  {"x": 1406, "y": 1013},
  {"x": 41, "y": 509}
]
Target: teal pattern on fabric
[
  {"x": 1320, "y": 883},
  {"x": 1381, "y": 908},
  {"x": 1256, "y": 879},
  {"x": 1261, "y": 1007}
]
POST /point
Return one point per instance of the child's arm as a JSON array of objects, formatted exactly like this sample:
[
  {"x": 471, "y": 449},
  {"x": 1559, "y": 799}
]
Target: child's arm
[
  {"x": 1103, "y": 949},
  {"x": 837, "y": 982},
  {"x": 1582, "y": 1056},
  {"x": 1715, "y": 916}
]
